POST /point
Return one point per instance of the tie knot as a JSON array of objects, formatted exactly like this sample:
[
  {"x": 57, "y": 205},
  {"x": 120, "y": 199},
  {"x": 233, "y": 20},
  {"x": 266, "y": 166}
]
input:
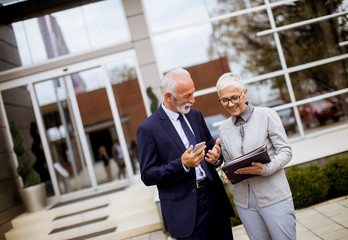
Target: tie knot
[{"x": 181, "y": 118}]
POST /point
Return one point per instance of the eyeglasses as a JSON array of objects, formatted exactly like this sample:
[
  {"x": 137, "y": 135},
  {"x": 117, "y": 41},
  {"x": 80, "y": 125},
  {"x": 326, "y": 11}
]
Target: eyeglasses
[{"x": 234, "y": 99}]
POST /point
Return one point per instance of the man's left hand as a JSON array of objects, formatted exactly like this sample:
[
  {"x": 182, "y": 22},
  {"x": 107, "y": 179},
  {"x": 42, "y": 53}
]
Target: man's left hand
[{"x": 213, "y": 155}]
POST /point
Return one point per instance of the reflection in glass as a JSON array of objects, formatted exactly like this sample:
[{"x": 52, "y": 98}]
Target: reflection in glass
[
  {"x": 248, "y": 54},
  {"x": 319, "y": 80},
  {"x": 192, "y": 43},
  {"x": 299, "y": 11},
  {"x": 72, "y": 30},
  {"x": 20, "y": 110},
  {"x": 324, "y": 112},
  {"x": 99, "y": 126},
  {"x": 29, "y": 37},
  {"x": 221, "y": 7},
  {"x": 129, "y": 102},
  {"x": 269, "y": 90},
  {"x": 64, "y": 143},
  {"x": 311, "y": 43},
  {"x": 170, "y": 13}
]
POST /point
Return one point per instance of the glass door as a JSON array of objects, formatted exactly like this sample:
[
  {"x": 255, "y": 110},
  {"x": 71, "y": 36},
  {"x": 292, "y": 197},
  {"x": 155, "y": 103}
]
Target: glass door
[
  {"x": 86, "y": 115},
  {"x": 62, "y": 135},
  {"x": 126, "y": 93},
  {"x": 90, "y": 119}
]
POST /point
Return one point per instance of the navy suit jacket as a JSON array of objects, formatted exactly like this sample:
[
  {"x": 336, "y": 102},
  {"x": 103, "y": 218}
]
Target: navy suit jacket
[{"x": 159, "y": 150}]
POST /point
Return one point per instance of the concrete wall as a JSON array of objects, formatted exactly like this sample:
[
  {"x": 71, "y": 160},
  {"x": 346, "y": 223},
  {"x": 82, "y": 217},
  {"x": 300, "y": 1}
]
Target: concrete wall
[{"x": 9, "y": 56}]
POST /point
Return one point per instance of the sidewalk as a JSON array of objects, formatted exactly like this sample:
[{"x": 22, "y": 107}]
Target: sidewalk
[{"x": 324, "y": 221}]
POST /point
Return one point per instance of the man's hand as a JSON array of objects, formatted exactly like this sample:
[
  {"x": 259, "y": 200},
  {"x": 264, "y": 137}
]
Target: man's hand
[
  {"x": 213, "y": 155},
  {"x": 255, "y": 169},
  {"x": 190, "y": 159}
]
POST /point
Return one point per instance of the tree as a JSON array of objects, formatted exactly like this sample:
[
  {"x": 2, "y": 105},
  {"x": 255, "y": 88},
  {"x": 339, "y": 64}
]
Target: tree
[{"x": 236, "y": 38}]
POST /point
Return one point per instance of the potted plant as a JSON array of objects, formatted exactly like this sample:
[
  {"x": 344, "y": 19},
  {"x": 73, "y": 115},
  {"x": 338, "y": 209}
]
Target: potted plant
[{"x": 33, "y": 193}]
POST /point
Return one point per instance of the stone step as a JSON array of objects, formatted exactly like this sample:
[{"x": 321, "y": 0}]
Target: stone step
[
  {"x": 113, "y": 216},
  {"x": 50, "y": 212}
]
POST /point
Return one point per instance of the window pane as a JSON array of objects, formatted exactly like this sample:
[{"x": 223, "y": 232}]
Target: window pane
[
  {"x": 247, "y": 53},
  {"x": 19, "y": 108},
  {"x": 70, "y": 31},
  {"x": 30, "y": 42},
  {"x": 312, "y": 42},
  {"x": 304, "y": 10},
  {"x": 233, "y": 38},
  {"x": 65, "y": 146},
  {"x": 319, "y": 80},
  {"x": 110, "y": 27},
  {"x": 325, "y": 112},
  {"x": 184, "y": 47},
  {"x": 269, "y": 90},
  {"x": 170, "y": 13},
  {"x": 220, "y": 7},
  {"x": 165, "y": 14},
  {"x": 129, "y": 102},
  {"x": 98, "y": 124}
]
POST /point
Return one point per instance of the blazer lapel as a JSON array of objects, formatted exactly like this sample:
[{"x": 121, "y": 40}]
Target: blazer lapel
[{"x": 167, "y": 124}]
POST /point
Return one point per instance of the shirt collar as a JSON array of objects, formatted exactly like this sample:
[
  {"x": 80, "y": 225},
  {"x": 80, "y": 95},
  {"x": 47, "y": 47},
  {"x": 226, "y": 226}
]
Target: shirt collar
[
  {"x": 172, "y": 115},
  {"x": 245, "y": 114}
]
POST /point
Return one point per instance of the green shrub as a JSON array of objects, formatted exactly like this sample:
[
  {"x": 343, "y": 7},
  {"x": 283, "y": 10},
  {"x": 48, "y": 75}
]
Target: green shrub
[
  {"x": 337, "y": 172},
  {"x": 309, "y": 185},
  {"x": 154, "y": 100}
]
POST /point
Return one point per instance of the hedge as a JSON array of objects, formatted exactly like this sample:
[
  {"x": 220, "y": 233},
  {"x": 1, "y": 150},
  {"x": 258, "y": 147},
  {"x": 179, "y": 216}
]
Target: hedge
[{"x": 311, "y": 185}]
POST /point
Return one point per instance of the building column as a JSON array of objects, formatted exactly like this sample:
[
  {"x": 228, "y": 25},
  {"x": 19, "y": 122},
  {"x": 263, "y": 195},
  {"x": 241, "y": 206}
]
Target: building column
[{"x": 142, "y": 44}]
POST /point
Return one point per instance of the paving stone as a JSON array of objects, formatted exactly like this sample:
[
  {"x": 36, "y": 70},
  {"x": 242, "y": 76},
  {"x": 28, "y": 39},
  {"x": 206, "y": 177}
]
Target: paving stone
[
  {"x": 336, "y": 235},
  {"x": 344, "y": 202},
  {"x": 332, "y": 209},
  {"x": 328, "y": 228},
  {"x": 303, "y": 233}
]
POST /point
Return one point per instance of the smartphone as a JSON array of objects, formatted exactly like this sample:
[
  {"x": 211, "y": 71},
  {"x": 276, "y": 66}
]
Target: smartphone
[{"x": 198, "y": 146}]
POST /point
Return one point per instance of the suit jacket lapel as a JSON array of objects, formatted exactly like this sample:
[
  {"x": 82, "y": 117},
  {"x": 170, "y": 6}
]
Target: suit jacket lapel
[{"x": 167, "y": 124}]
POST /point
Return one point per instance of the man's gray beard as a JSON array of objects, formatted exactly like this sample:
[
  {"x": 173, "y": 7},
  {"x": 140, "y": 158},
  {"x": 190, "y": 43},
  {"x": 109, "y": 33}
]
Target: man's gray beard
[{"x": 181, "y": 109}]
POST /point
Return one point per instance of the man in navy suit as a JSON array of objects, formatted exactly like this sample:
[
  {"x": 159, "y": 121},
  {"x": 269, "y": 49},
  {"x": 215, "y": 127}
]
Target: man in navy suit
[{"x": 194, "y": 203}]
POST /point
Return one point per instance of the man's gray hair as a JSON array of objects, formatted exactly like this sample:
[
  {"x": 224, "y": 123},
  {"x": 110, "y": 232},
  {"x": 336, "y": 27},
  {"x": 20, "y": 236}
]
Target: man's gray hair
[
  {"x": 229, "y": 80},
  {"x": 169, "y": 80}
]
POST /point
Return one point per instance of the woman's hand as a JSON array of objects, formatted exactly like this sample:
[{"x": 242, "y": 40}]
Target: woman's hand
[{"x": 255, "y": 169}]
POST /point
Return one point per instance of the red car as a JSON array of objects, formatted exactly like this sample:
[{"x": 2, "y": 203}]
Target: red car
[{"x": 319, "y": 112}]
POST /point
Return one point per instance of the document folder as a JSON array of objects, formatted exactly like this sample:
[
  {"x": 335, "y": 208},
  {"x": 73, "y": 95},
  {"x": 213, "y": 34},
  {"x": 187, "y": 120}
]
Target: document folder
[{"x": 258, "y": 155}]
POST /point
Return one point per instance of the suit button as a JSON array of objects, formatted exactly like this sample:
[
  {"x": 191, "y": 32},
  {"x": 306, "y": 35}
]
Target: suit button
[{"x": 194, "y": 191}]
